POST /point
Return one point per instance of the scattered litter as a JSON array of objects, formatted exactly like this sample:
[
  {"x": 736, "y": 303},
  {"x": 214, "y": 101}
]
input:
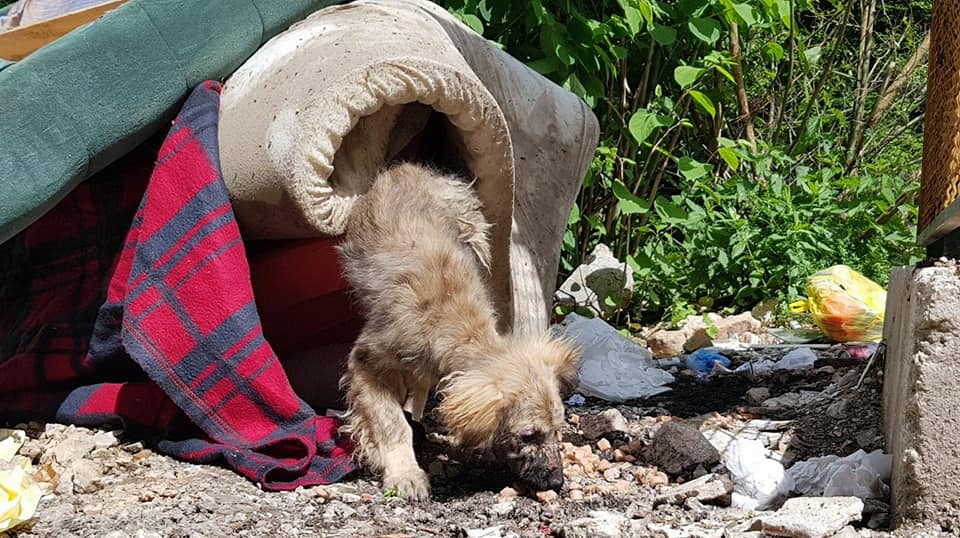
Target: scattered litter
[
  {"x": 798, "y": 359},
  {"x": 790, "y": 335},
  {"x": 576, "y": 400},
  {"x": 613, "y": 368},
  {"x": 801, "y": 358},
  {"x": 862, "y": 352},
  {"x": 860, "y": 475},
  {"x": 756, "y": 475},
  {"x": 845, "y": 305},
  {"x": 703, "y": 360},
  {"x": 19, "y": 492},
  {"x": 10, "y": 443}
]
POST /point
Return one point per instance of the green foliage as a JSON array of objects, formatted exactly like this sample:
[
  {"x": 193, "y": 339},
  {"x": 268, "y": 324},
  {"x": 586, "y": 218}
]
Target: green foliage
[{"x": 708, "y": 217}]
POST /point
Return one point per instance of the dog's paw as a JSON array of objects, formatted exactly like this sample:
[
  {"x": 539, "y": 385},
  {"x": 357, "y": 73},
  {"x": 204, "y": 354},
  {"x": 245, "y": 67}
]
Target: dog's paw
[{"x": 410, "y": 484}]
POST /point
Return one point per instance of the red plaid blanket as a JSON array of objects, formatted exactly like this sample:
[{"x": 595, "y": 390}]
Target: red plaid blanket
[{"x": 177, "y": 301}]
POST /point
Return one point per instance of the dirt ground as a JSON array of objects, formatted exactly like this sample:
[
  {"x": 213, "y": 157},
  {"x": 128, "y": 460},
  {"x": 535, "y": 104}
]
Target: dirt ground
[{"x": 123, "y": 489}]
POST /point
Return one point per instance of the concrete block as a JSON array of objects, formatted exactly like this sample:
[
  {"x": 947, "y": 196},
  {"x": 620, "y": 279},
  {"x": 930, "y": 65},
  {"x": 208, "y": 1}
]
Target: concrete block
[{"x": 921, "y": 395}]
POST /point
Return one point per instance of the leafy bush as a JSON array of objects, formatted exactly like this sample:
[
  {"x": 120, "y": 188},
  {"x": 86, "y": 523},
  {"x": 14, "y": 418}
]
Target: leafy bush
[{"x": 744, "y": 145}]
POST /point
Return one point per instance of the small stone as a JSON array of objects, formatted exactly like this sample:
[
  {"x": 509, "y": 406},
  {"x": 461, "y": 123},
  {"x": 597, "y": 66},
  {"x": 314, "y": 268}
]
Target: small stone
[
  {"x": 599, "y": 524},
  {"x": 574, "y": 419},
  {"x": 679, "y": 447},
  {"x": 622, "y": 486},
  {"x": 142, "y": 454},
  {"x": 596, "y": 426},
  {"x": 575, "y": 495},
  {"x": 507, "y": 494},
  {"x": 758, "y": 394},
  {"x": 707, "y": 488},
  {"x": 105, "y": 440},
  {"x": 547, "y": 497},
  {"x": 813, "y": 517},
  {"x": 87, "y": 476},
  {"x": 838, "y": 409},
  {"x": 503, "y": 509},
  {"x": 322, "y": 493},
  {"x": 611, "y": 475},
  {"x": 490, "y": 532},
  {"x": 667, "y": 343},
  {"x": 603, "y": 445},
  {"x": 603, "y": 466},
  {"x": 349, "y": 498},
  {"x": 651, "y": 477}
]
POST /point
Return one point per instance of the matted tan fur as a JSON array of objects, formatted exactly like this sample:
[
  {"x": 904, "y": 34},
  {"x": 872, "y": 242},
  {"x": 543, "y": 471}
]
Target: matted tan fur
[{"x": 416, "y": 253}]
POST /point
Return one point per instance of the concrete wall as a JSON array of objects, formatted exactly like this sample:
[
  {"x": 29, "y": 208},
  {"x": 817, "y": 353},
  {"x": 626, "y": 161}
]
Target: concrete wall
[{"x": 921, "y": 395}]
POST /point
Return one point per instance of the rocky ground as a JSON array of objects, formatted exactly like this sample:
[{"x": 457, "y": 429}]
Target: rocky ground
[{"x": 644, "y": 468}]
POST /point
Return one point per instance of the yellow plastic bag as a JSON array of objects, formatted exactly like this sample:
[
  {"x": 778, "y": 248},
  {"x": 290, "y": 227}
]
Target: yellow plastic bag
[{"x": 845, "y": 305}]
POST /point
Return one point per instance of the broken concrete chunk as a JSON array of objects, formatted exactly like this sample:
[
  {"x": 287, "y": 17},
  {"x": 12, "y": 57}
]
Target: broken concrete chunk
[
  {"x": 707, "y": 489},
  {"x": 758, "y": 394},
  {"x": 599, "y": 524},
  {"x": 679, "y": 447},
  {"x": 813, "y": 517},
  {"x": 590, "y": 284}
]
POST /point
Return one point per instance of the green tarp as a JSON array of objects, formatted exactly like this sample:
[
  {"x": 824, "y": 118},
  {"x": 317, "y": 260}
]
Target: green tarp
[{"x": 81, "y": 102}]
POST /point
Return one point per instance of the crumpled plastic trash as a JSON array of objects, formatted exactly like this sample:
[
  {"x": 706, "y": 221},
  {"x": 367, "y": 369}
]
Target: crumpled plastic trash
[
  {"x": 845, "y": 305},
  {"x": 613, "y": 368},
  {"x": 703, "y": 360},
  {"x": 860, "y": 475},
  {"x": 797, "y": 359},
  {"x": 756, "y": 475},
  {"x": 19, "y": 492},
  {"x": 576, "y": 400},
  {"x": 863, "y": 352}
]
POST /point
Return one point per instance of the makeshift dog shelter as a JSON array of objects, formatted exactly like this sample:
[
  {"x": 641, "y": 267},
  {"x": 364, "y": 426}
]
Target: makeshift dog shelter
[
  {"x": 316, "y": 111},
  {"x": 112, "y": 305}
]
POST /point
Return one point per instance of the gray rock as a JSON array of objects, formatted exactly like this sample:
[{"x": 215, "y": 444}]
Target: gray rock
[
  {"x": 105, "y": 440},
  {"x": 758, "y": 394},
  {"x": 490, "y": 532},
  {"x": 503, "y": 509},
  {"x": 707, "y": 488},
  {"x": 87, "y": 476},
  {"x": 599, "y": 524},
  {"x": 813, "y": 517},
  {"x": 879, "y": 521},
  {"x": 596, "y": 426},
  {"x": 679, "y": 447},
  {"x": 602, "y": 276}
]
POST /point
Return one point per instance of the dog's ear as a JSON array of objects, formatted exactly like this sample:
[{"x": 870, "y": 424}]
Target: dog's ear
[
  {"x": 564, "y": 356},
  {"x": 472, "y": 407}
]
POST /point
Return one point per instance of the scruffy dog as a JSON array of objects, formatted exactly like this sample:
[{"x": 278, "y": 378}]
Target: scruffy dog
[{"x": 415, "y": 253}]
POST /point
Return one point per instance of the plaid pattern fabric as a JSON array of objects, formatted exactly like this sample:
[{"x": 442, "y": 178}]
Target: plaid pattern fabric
[{"x": 179, "y": 304}]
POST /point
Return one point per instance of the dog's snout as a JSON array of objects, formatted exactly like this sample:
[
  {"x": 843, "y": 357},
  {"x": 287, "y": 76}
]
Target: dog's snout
[{"x": 542, "y": 479}]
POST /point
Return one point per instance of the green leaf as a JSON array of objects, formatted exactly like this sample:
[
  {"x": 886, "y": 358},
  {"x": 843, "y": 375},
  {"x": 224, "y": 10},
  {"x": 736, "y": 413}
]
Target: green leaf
[
  {"x": 664, "y": 35},
  {"x": 704, "y": 29},
  {"x": 685, "y": 75},
  {"x": 634, "y": 19},
  {"x": 774, "y": 51},
  {"x": 738, "y": 249},
  {"x": 669, "y": 211},
  {"x": 473, "y": 22},
  {"x": 642, "y": 124},
  {"x": 692, "y": 169},
  {"x": 574, "y": 215},
  {"x": 705, "y": 103},
  {"x": 723, "y": 258},
  {"x": 730, "y": 157},
  {"x": 646, "y": 11},
  {"x": 745, "y": 12},
  {"x": 812, "y": 55},
  {"x": 629, "y": 203}
]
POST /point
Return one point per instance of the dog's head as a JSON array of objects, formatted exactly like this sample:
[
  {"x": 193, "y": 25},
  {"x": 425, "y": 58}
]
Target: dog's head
[{"x": 512, "y": 404}]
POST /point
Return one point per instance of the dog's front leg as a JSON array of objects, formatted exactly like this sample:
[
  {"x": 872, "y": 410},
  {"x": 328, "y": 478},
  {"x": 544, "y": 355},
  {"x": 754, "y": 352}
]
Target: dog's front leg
[{"x": 381, "y": 431}]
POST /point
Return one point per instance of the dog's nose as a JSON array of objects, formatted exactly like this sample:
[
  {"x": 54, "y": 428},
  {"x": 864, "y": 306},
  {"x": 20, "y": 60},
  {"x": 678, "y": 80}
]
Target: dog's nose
[{"x": 545, "y": 479}]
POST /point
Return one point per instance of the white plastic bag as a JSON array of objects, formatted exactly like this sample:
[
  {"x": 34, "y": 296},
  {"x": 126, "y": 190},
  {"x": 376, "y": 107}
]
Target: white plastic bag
[
  {"x": 613, "y": 368},
  {"x": 756, "y": 475},
  {"x": 857, "y": 475}
]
